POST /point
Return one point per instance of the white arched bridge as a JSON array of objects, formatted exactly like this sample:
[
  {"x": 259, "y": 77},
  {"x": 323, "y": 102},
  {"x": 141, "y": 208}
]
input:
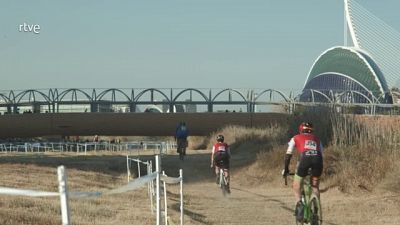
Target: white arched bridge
[
  {"x": 170, "y": 100},
  {"x": 137, "y": 100}
]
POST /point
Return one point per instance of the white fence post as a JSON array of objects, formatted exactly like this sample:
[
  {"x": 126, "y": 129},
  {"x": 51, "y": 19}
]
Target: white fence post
[
  {"x": 181, "y": 192},
  {"x": 128, "y": 167},
  {"x": 165, "y": 202},
  {"x": 138, "y": 167},
  {"x": 63, "y": 189},
  {"x": 158, "y": 199},
  {"x": 151, "y": 187}
]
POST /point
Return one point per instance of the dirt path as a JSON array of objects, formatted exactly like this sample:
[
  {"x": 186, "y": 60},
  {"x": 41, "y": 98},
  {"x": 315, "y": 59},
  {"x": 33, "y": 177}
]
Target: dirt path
[
  {"x": 271, "y": 203},
  {"x": 268, "y": 202}
]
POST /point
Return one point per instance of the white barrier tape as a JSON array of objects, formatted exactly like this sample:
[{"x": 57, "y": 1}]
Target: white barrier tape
[
  {"x": 138, "y": 160},
  {"x": 33, "y": 193},
  {"x": 133, "y": 185},
  {"x": 84, "y": 194},
  {"x": 170, "y": 180},
  {"x": 25, "y": 192}
]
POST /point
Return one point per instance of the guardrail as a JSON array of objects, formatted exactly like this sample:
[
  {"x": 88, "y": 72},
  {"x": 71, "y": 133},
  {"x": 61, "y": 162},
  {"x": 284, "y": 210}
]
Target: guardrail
[
  {"x": 84, "y": 147},
  {"x": 64, "y": 194}
]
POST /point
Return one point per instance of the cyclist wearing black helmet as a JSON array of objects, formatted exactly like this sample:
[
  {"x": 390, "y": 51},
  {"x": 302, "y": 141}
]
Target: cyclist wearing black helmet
[
  {"x": 220, "y": 158},
  {"x": 310, "y": 149}
]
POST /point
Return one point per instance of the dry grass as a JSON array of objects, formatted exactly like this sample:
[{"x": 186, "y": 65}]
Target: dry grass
[
  {"x": 361, "y": 152},
  {"x": 364, "y": 150},
  {"x": 91, "y": 173},
  {"x": 355, "y": 168},
  {"x": 239, "y": 135},
  {"x": 197, "y": 142},
  {"x": 366, "y": 131}
]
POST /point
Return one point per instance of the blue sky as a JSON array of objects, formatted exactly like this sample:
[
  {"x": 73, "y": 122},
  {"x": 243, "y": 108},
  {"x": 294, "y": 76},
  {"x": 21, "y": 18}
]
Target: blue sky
[{"x": 170, "y": 43}]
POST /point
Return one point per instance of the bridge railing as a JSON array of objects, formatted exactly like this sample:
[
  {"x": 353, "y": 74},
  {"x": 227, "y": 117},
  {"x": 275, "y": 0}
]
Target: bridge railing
[{"x": 85, "y": 147}]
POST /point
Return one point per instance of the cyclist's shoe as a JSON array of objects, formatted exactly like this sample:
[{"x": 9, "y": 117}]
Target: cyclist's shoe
[{"x": 298, "y": 212}]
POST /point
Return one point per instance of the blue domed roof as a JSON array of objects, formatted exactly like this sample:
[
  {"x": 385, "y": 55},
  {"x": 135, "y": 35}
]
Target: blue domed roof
[{"x": 353, "y": 65}]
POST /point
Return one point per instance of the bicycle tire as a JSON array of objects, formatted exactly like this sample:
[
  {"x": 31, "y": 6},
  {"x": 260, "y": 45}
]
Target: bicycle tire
[
  {"x": 295, "y": 217},
  {"x": 181, "y": 151},
  {"x": 181, "y": 156},
  {"x": 222, "y": 182},
  {"x": 315, "y": 210}
]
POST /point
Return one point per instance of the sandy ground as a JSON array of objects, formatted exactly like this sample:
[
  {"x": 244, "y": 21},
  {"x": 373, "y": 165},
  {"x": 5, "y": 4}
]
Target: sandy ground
[
  {"x": 264, "y": 203},
  {"x": 272, "y": 203}
]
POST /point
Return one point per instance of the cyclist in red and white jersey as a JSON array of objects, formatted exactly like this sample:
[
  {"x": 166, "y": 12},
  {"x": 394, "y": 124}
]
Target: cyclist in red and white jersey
[
  {"x": 310, "y": 149},
  {"x": 220, "y": 157}
]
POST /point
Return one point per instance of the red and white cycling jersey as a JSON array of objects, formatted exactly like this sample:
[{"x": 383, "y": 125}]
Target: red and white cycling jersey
[
  {"x": 221, "y": 147},
  {"x": 303, "y": 143}
]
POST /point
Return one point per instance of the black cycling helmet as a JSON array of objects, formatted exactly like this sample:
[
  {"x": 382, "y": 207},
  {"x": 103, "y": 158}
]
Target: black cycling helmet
[
  {"x": 220, "y": 138},
  {"x": 306, "y": 127}
]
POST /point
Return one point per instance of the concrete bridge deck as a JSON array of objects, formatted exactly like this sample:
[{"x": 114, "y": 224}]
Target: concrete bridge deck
[{"x": 126, "y": 124}]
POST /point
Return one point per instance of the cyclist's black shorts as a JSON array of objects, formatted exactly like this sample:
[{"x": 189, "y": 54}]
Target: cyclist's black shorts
[
  {"x": 221, "y": 159},
  {"x": 313, "y": 161}
]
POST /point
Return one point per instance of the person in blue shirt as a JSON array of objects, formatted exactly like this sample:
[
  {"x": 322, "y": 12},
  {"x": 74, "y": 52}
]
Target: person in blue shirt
[{"x": 181, "y": 135}]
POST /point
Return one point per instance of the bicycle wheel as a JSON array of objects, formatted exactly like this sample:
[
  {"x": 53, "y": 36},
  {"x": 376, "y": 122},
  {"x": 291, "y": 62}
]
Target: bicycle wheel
[
  {"x": 315, "y": 211},
  {"x": 296, "y": 215},
  {"x": 181, "y": 153},
  {"x": 222, "y": 181},
  {"x": 181, "y": 156}
]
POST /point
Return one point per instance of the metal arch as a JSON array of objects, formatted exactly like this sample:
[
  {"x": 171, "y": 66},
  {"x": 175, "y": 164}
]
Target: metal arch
[
  {"x": 31, "y": 92},
  {"x": 271, "y": 91},
  {"x": 133, "y": 94},
  {"x": 356, "y": 92},
  {"x": 61, "y": 96},
  {"x": 191, "y": 89},
  {"x": 7, "y": 100},
  {"x": 332, "y": 94},
  {"x": 11, "y": 96},
  {"x": 230, "y": 90},
  {"x": 52, "y": 94},
  {"x": 112, "y": 90},
  {"x": 151, "y": 90},
  {"x": 94, "y": 95},
  {"x": 381, "y": 97},
  {"x": 319, "y": 92}
]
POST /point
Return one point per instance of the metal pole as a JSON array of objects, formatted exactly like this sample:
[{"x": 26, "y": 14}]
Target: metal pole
[
  {"x": 63, "y": 189},
  {"x": 149, "y": 183},
  {"x": 181, "y": 193},
  {"x": 151, "y": 187},
  {"x": 158, "y": 199},
  {"x": 138, "y": 167},
  {"x": 127, "y": 168},
  {"x": 165, "y": 202}
]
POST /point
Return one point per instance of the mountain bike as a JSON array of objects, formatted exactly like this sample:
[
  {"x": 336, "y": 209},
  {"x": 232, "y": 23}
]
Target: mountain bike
[
  {"x": 312, "y": 213},
  {"x": 181, "y": 148}
]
